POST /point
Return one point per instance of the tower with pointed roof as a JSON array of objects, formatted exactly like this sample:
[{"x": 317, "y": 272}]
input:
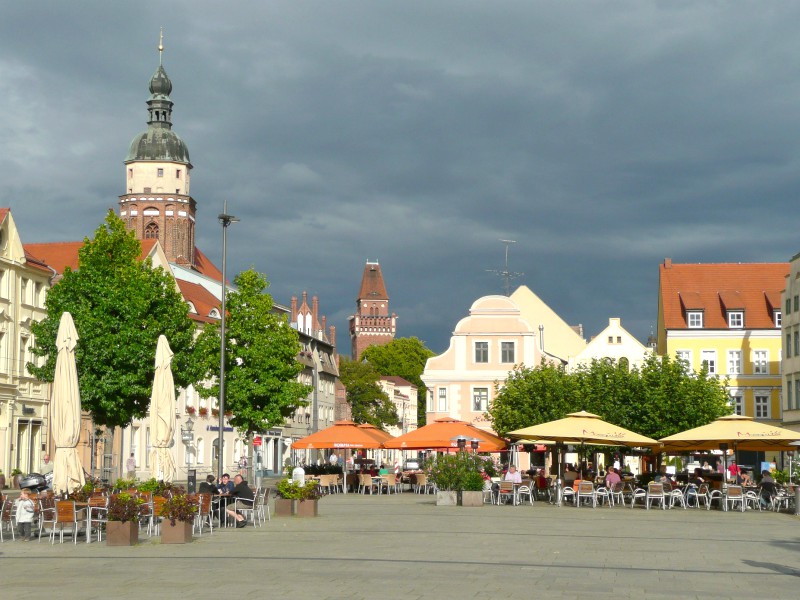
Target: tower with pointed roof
[
  {"x": 371, "y": 325},
  {"x": 157, "y": 203}
]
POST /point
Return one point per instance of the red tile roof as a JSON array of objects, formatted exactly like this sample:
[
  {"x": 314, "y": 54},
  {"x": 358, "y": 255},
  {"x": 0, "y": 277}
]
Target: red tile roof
[
  {"x": 203, "y": 300},
  {"x": 205, "y": 267},
  {"x": 60, "y": 255},
  {"x": 715, "y": 289}
]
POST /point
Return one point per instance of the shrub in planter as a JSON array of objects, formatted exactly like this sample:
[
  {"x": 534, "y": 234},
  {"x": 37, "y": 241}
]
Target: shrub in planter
[
  {"x": 288, "y": 490},
  {"x": 178, "y": 514},
  {"x": 122, "y": 528},
  {"x": 456, "y": 473}
]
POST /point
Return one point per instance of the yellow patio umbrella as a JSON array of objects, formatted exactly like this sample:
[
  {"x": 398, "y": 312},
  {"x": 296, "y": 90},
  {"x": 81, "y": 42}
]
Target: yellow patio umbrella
[
  {"x": 65, "y": 407},
  {"x": 584, "y": 428},
  {"x": 162, "y": 414},
  {"x": 737, "y": 431}
]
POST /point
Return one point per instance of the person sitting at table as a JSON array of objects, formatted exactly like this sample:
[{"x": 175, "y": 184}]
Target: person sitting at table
[
  {"x": 612, "y": 477},
  {"x": 207, "y": 486},
  {"x": 768, "y": 488},
  {"x": 697, "y": 478},
  {"x": 244, "y": 499},
  {"x": 570, "y": 475},
  {"x": 383, "y": 470},
  {"x": 225, "y": 484},
  {"x": 513, "y": 475},
  {"x": 745, "y": 477}
]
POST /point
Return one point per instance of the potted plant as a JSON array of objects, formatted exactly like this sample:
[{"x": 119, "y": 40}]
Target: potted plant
[
  {"x": 128, "y": 485},
  {"x": 455, "y": 473},
  {"x": 295, "y": 499},
  {"x": 214, "y": 412},
  {"x": 191, "y": 410},
  {"x": 203, "y": 411},
  {"x": 16, "y": 475},
  {"x": 178, "y": 513},
  {"x": 122, "y": 528}
]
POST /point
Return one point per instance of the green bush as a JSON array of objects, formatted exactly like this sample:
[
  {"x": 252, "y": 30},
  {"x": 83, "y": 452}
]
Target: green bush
[
  {"x": 289, "y": 490},
  {"x": 457, "y": 471}
]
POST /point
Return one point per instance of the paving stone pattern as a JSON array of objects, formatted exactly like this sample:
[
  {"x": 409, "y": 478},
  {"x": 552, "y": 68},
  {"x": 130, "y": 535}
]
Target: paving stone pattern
[{"x": 403, "y": 546}]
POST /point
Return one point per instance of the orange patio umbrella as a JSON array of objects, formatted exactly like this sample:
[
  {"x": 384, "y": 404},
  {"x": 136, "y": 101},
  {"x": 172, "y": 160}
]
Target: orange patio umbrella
[
  {"x": 342, "y": 434},
  {"x": 444, "y": 434},
  {"x": 380, "y": 434}
]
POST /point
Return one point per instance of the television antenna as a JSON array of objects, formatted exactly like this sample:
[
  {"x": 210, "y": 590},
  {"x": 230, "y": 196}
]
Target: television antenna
[{"x": 505, "y": 273}]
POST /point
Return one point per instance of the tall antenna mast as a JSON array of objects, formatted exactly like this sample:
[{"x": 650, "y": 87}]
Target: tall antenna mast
[{"x": 505, "y": 273}]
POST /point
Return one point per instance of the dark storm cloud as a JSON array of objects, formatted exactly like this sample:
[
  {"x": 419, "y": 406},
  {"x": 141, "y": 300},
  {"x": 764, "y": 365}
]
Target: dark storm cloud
[{"x": 601, "y": 138}]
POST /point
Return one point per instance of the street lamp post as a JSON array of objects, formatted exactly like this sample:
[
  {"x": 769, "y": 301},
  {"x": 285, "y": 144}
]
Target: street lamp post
[
  {"x": 225, "y": 219},
  {"x": 790, "y": 454}
]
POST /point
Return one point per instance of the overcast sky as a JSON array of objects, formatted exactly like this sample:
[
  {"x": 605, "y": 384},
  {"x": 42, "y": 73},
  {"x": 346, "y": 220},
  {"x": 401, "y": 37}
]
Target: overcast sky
[{"x": 602, "y": 137}]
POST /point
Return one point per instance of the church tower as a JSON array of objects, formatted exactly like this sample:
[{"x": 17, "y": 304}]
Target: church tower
[
  {"x": 157, "y": 204},
  {"x": 371, "y": 325}
]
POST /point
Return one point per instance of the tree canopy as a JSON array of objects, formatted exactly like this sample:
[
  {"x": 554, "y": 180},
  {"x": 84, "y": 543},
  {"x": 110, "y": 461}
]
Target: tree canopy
[
  {"x": 406, "y": 358},
  {"x": 661, "y": 398},
  {"x": 368, "y": 402},
  {"x": 261, "y": 367},
  {"x": 120, "y": 305}
]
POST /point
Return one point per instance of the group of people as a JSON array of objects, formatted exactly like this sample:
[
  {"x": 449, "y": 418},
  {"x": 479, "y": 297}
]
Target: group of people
[{"x": 237, "y": 489}]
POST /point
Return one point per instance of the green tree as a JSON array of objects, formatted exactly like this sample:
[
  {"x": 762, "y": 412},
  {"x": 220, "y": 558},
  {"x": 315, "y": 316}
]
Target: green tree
[
  {"x": 120, "y": 305},
  {"x": 530, "y": 396},
  {"x": 368, "y": 402},
  {"x": 261, "y": 367},
  {"x": 406, "y": 358}
]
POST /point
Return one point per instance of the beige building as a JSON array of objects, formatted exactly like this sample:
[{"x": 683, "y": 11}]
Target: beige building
[
  {"x": 24, "y": 401},
  {"x": 403, "y": 394},
  {"x": 613, "y": 342},
  {"x": 790, "y": 329},
  {"x": 484, "y": 348}
]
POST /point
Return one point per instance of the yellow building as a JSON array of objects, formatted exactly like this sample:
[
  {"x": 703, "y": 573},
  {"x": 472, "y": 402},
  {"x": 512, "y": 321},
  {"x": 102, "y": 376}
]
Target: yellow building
[{"x": 727, "y": 317}]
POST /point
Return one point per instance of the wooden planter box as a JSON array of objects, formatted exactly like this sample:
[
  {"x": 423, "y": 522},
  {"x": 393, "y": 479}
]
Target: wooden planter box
[
  {"x": 284, "y": 507},
  {"x": 122, "y": 534},
  {"x": 306, "y": 508},
  {"x": 469, "y": 498},
  {"x": 180, "y": 533}
]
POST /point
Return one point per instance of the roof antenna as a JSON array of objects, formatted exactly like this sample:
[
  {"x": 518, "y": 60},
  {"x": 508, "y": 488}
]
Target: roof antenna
[
  {"x": 160, "y": 47},
  {"x": 505, "y": 273}
]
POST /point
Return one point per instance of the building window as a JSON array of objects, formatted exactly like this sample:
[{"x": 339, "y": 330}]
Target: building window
[
  {"x": 178, "y": 176},
  {"x": 762, "y": 406},
  {"x": 684, "y": 356},
  {"x": 760, "y": 362},
  {"x": 481, "y": 352},
  {"x": 695, "y": 319},
  {"x": 151, "y": 232},
  {"x": 796, "y": 303},
  {"x": 160, "y": 172},
  {"x": 610, "y": 339},
  {"x": 788, "y": 345},
  {"x": 797, "y": 342},
  {"x": 778, "y": 318},
  {"x": 788, "y": 309},
  {"x": 201, "y": 447},
  {"x": 735, "y": 319},
  {"x": 708, "y": 359},
  {"x": 796, "y": 395},
  {"x": 480, "y": 399},
  {"x": 737, "y": 404},
  {"x": 507, "y": 352},
  {"x": 789, "y": 394},
  {"x": 442, "y": 406},
  {"x": 734, "y": 362}
]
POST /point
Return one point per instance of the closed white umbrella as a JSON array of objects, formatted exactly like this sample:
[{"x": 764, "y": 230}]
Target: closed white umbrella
[
  {"x": 162, "y": 414},
  {"x": 65, "y": 411}
]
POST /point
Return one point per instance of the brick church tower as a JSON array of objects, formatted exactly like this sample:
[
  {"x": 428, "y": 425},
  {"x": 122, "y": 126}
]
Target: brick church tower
[
  {"x": 157, "y": 204},
  {"x": 371, "y": 325}
]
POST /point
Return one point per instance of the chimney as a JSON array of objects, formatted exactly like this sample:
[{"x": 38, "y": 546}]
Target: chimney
[
  {"x": 333, "y": 336},
  {"x": 314, "y": 311},
  {"x": 294, "y": 309},
  {"x": 667, "y": 263},
  {"x": 324, "y": 325}
]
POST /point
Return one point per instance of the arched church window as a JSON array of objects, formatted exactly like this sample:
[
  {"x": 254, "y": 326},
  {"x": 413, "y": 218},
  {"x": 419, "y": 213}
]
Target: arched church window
[{"x": 151, "y": 231}]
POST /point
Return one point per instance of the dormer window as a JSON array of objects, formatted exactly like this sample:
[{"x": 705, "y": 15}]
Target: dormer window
[
  {"x": 695, "y": 319},
  {"x": 778, "y": 319},
  {"x": 735, "y": 319}
]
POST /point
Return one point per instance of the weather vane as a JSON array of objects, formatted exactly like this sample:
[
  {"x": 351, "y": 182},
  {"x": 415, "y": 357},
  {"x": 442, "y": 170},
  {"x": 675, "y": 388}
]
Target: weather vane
[
  {"x": 505, "y": 273},
  {"x": 160, "y": 45}
]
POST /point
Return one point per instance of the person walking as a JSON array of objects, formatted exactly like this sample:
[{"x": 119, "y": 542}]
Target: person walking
[{"x": 130, "y": 466}]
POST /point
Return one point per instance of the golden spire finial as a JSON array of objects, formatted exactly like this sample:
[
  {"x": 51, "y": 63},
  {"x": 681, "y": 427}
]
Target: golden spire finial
[{"x": 160, "y": 45}]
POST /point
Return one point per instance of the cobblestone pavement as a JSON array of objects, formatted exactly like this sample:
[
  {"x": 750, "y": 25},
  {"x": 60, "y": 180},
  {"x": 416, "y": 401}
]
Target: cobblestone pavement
[{"x": 403, "y": 546}]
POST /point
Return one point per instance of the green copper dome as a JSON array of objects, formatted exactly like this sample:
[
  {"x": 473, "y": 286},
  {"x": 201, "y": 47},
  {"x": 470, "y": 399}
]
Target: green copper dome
[{"x": 159, "y": 142}]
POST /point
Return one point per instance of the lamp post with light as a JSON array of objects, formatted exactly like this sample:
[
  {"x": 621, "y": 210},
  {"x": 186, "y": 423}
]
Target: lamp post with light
[
  {"x": 474, "y": 443},
  {"x": 225, "y": 219},
  {"x": 462, "y": 443},
  {"x": 187, "y": 437},
  {"x": 790, "y": 454}
]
